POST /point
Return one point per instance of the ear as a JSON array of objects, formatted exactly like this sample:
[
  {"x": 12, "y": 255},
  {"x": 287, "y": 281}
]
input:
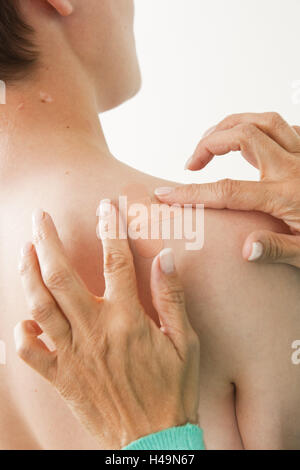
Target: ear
[{"x": 63, "y": 7}]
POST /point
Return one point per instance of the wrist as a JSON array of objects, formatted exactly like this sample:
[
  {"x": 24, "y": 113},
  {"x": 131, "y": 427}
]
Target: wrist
[
  {"x": 188, "y": 437},
  {"x": 142, "y": 428}
]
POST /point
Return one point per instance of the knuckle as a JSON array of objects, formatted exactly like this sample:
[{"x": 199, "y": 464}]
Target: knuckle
[
  {"x": 173, "y": 294},
  {"x": 248, "y": 131},
  {"x": 274, "y": 250},
  {"x": 42, "y": 312},
  {"x": 57, "y": 279},
  {"x": 230, "y": 120},
  {"x": 122, "y": 327},
  {"x": 116, "y": 261},
  {"x": 275, "y": 120},
  {"x": 226, "y": 187},
  {"x": 40, "y": 234},
  {"x": 190, "y": 191}
]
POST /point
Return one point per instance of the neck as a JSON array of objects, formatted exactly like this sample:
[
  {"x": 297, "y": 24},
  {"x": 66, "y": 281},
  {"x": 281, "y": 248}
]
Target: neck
[{"x": 49, "y": 118}]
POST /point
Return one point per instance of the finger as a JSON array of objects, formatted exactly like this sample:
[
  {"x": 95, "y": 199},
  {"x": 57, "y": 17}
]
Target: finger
[
  {"x": 168, "y": 298},
  {"x": 256, "y": 147},
  {"x": 271, "y": 124},
  {"x": 42, "y": 305},
  {"x": 224, "y": 194},
  {"x": 33, "y": 351},
  {"x": 119, "y": 271},
  {"x": 60, "y": 278},
  {"x": 270, "y": 247}
]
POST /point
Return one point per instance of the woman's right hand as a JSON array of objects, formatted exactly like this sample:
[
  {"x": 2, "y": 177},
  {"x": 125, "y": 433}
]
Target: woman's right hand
[
  {"x": 122, "y": 375},
  {"x": 271, "y": 145}
]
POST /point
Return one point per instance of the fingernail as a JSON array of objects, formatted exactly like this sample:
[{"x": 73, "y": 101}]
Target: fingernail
[
  {"x": 257, "y": 251},
  {"x": 209, "y": 131},
  {"x": 38, "y": 216},
  {"x": 188, "y": 163},
  {"x": 166, "y": 258},
  {"x": 162, "y": 191},
  {"x": 26, "y": 249},
  {"x": 105, "y": 208}
]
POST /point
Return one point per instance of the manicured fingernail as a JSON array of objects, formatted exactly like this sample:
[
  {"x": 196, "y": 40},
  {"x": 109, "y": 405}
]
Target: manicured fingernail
[
  {"x": 26, "y": 249},
  {"x": 38, "y": 216},
  {"x": 105, "y": 208},
  {"x": 162, "y": 191},
  {"x": 257, "y": 251},
  {"x": 166, "y": 258},
  {"x": 209, "y": 131},
  {"x": 188, "y": 163}
]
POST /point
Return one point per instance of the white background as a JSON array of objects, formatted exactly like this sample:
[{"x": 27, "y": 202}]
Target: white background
[{"x": 202, "y": 60}]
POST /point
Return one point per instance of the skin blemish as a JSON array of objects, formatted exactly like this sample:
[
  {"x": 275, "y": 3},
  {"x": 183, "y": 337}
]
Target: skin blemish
[
  {"x": 20, "y": 107},
  {"x": 45, "y": 97}
]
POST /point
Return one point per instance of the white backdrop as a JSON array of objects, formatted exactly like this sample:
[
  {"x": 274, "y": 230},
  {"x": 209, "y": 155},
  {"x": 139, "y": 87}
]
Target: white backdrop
[{"x": 202, "y": 60}]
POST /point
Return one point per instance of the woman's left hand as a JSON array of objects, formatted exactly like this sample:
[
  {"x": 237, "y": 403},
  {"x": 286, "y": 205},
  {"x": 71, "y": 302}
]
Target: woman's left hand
[{"x": 122, "y": 375}]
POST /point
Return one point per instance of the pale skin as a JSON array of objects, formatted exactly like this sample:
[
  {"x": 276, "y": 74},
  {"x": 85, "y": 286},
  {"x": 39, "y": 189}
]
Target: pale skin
[
  {"x": 114, "y": 367},
  {"x": 270, "y": 144},
  {"x": 54, "y": 155}
]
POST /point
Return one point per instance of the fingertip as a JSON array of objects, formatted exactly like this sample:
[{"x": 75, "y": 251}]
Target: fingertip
[
  {"x": 253, "y": 250},
  {"x": 40, "y": 217},
  {"x": 189, "y": 163},
  {"x": 167, "y": 261},
  {"x": 162, "y": 193},
  {"x": 32, "y": 328},
  {"x": 27, "y": 257},
  {"x": 166, "y": 331},
  {"x": 197, "y": 163},
  {"x": 37, "y": 217}
]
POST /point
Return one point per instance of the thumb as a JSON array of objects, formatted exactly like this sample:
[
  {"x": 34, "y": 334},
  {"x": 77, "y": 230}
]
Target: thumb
[
  {"x": 168, "y": 299},
  {"x": 269, "y": 247},
  {"x": 224, "y": 194}
]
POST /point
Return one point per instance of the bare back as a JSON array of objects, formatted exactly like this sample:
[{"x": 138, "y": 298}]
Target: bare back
[{"x": 246, "y": 316}]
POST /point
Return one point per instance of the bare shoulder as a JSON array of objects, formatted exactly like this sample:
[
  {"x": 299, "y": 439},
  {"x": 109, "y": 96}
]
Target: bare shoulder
[{"x": 248, "y": 316}]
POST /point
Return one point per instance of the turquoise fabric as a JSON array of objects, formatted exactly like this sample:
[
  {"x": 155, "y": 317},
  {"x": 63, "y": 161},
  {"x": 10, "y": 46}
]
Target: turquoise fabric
[{"x": 188, "y": 437}]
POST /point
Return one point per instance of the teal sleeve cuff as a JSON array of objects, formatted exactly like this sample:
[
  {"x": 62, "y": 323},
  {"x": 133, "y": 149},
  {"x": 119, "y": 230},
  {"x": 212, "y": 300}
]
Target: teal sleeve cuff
[{"x": 188, "y": 437}]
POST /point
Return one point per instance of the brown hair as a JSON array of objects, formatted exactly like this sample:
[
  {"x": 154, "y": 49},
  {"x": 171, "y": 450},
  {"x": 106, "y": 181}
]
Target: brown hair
[{"x": 18, "y": 54}]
